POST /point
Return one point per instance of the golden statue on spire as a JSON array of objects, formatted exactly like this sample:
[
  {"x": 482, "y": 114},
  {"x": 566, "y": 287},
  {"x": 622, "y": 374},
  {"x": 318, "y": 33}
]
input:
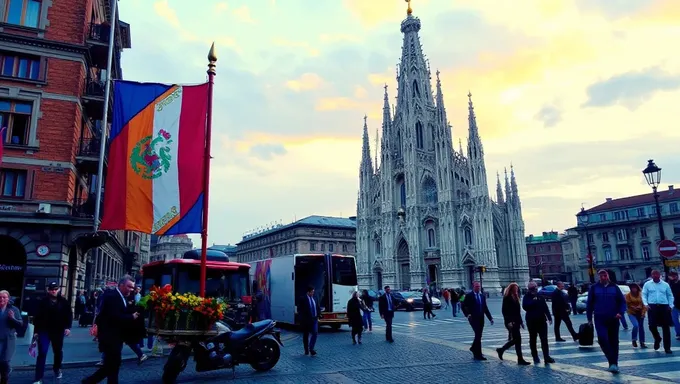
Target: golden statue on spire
[{"x": 409, "y": 10}]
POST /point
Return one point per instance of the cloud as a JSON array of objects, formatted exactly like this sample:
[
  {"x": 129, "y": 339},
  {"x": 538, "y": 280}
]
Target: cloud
[
  {"x": 163, "y": 10},
  {"x": 242, "y": 14},
  {"x": 549, "y": 115},
  {"x": 281, "y": 42},
  {"x": 631, "y": 89},
  {"x": 267, "y": 151},
  {"x": 306, "y": 82}
]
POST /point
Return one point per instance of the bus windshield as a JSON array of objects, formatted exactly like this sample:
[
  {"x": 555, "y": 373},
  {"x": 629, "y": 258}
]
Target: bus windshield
[
  {"x": 228, "y": 285},
  {"x": 344, "y": 271}
]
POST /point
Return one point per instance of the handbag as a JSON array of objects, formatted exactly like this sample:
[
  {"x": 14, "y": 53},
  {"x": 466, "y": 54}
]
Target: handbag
[
  {"x": 94, "y": 330},
  {"x": 33, "y": 348}
]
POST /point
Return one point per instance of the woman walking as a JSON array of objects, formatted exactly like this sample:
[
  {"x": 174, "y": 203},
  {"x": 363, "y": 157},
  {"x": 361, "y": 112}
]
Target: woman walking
[
  {"x": 10, "y": 320},
  {"x": 368, "y": 302},
  {"x": 354, "y": 308},
  {"x": 636, "y": 313},
  {"x": 512, "y": 315}
]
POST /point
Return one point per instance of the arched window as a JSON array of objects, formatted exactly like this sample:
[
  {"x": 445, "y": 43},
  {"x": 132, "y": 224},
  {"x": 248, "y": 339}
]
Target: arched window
[
  {"x": 402, "y": 193},
  {"x": 416, "y": 91},
  {"x": 398, "y": 149},
  {"x": 378, "y": 247},
  {"x": 468, "y": 235},
  {"x": 431, "y": 241},
  {"x": 419, "y": 135},
  {"x": 430, "y": 191}
]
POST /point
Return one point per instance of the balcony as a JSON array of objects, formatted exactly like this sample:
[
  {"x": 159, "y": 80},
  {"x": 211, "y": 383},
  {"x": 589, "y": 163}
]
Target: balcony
[
  {"x": 97, "y": 40},
  {"x": 93, "y": 98},
  {"x": 87, "y": 159},
  {"x": 83, "y": 208}
]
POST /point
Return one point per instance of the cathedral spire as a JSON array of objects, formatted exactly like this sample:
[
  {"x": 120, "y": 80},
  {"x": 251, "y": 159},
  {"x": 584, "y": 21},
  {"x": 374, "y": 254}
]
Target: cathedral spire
[
  {"x": 460, "y": 146},
  {"x": 513, "y": 186},
  {"x": 413, "y": 77},
  {"x": 366, "y": 162},
  {"x": 472, "y": 119},
  {"x": 499, "y": 189},
  {"x": 508, "y": 191},
  {"x": 386, "y": 131}
]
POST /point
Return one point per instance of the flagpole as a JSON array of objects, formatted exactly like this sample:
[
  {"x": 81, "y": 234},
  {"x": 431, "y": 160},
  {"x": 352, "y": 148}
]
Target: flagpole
[
  {"x": 212, "y": 60},
  {"x": 105, "y": 119}
]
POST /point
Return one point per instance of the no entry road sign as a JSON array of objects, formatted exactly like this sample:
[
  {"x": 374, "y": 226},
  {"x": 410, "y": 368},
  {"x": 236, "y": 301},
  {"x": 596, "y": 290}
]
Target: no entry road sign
[{"x": 668, "y": 248}]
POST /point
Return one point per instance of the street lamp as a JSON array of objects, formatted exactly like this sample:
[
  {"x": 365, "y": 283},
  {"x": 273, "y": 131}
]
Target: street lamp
[
  {"x": 583, "y": 221},
  {"x": 653, "y": 176}
]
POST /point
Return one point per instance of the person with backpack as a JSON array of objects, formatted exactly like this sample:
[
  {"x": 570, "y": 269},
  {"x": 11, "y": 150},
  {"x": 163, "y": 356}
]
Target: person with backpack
[{"x": 607, "y": 304}]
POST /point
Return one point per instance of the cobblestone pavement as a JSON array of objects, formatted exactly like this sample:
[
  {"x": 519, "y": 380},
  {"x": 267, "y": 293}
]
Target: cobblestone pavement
[
  {"x": 433, "y": 351},
  {"x": 635, "y": 364}
]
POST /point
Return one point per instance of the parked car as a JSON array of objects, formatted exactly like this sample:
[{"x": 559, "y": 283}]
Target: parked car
[
  {"x": 412, "y": 300},
  {"x": 547, "y": 291},
  {"x": 582, "y": 301}
]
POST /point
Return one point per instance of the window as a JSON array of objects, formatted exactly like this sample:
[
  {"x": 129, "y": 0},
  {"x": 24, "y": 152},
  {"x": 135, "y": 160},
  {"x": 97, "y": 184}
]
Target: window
[
  {"x": 19, "y": 66},
  {"x": 430, "y": 192},
  {"x": 378, "y": 247},
  {"x": 673, "y": 207},
  {"x": 330, "y": 247},
  {"x": 607, "y": 254},
  {"x": 617, "y": 215},
  {"x": 603, "y": 217},
  {"x": 676, "y": 228},
  {"x": 312, "y": 245},
  {"x": 641, "y": 212},
  {"x": 419, "y": 135},
  {"x": 645, "y": 253},
  {"x": 590, "y": 238},
  {"x": 624, "y": 254},
  {"x": 344, "y": 247},
  {"x": 621, "y": 235},
  {"x": 13, "y": 183},
  {"x": 323, "y": 247},
  {"x": 402, "y": 193},
  {"x": 643, "y": 232},
  {"x": 468, "y": 235},
  {"x": 431, "y": 241},
  {"x": 16, "y": 116},
  {"x": 23, "y": 12},
  {"x": 605, "y": 236}
]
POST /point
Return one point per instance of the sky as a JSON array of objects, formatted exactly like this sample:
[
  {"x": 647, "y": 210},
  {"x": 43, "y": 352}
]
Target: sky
[{"x": 576, "y": 94}]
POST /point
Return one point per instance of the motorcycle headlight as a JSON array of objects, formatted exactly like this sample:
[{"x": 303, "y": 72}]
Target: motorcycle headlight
[{"x": 409, "y": 300}]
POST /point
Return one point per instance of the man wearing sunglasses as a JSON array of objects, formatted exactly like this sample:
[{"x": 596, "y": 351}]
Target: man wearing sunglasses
[{"x": 52, "y": 322}]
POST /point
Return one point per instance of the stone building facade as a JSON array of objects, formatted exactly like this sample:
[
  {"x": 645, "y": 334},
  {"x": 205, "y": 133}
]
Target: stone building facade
[
  {"x": 313, "y": 234},
  {"x": 424, "y": 213},
  {"x": 171, "y": 247}
]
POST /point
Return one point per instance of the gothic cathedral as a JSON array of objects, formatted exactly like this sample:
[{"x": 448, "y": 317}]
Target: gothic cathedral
[{"x": 424, "y": 214}]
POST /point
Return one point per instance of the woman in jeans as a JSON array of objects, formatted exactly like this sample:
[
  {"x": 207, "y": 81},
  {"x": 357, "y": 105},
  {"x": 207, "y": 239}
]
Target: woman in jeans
[
  {"x": 636, "y": 313},
  {"x": 368, "y": 302}
]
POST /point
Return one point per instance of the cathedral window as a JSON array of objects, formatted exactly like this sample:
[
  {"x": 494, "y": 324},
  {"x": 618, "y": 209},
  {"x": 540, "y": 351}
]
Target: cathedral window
[
  {"x": 431, "y": 240},
  {"x": 430, "y": 191},
  {"x": 419, "y": 135},
  {"x": 378, "y": 247},
  {"x": 416, "y": 91},
  {"x": 402, "y": 193},
  {"x": 468, "y": 235}
]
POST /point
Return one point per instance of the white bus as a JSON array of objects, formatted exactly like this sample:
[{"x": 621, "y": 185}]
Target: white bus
[{"x": 283, "y": 279}]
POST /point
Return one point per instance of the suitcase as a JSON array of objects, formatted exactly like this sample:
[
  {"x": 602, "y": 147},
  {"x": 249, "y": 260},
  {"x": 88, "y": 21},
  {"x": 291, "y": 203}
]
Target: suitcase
[
  {"x": 586, "y": 334},
  {"x": 86, "y": 319}
]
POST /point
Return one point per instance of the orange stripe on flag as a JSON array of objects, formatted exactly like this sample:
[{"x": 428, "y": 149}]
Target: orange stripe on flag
[
  {"x": 139, "y": 208},
  {"x": 167, "y": 226}
]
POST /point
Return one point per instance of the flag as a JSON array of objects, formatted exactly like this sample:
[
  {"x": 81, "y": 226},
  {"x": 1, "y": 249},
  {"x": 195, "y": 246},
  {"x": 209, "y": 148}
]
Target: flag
[
  {"x": 154, "y": 181},
  {"x": 2, "y": 142}
]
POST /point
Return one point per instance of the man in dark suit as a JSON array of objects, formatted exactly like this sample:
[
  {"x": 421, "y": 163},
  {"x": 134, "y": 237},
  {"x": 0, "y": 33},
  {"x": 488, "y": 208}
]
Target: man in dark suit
[
  {"x": 560, "y": 311},
  {"x": 386, "y": 307},
  {"x": 309, "y": 313},
  {"x": 112, "y": 321},
  {"x": 474, "y": 308}
]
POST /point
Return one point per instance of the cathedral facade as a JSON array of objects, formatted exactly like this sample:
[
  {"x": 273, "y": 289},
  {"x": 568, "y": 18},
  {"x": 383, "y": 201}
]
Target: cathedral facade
[{"x": 424, "y": 213}]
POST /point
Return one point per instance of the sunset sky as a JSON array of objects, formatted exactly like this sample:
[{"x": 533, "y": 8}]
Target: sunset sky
[{"x": 577, "y": 94}]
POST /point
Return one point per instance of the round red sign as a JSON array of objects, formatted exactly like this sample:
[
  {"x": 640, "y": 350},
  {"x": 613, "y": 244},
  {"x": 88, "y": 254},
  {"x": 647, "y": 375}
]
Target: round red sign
[{"x": 668, "y": 248}]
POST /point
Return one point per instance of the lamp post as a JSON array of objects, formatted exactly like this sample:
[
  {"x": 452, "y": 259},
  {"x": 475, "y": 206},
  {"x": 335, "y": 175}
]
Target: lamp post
[
  {"x": 653, "y": 177},
  {"x": 583, "y": 221}
]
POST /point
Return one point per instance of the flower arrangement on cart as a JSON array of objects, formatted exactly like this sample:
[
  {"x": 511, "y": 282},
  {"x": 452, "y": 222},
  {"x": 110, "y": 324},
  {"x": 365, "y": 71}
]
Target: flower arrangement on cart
[{"x": 174, "y": 313}]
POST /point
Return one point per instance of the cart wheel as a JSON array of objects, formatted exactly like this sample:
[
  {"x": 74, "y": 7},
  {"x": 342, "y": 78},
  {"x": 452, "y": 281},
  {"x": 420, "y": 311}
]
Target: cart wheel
[{"x": 176, "y": 363}]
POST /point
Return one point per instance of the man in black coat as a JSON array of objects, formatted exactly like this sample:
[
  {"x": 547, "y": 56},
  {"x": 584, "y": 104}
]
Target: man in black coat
[
  {"x": 386, "y": 306},
  {"x": 560, "y": 311},
  {"x": 112, "y": 322},
  {"x": 309, "y": 313},
  {"x": 475, "y": 308},
  {"x": 52, "y": 322}
]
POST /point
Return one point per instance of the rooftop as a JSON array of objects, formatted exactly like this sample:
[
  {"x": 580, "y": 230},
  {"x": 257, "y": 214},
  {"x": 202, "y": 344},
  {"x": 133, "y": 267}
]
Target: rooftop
[
  {"x": 547, "y": 237},
  {"x": 631, "y": 201},
  {"x": 309, "y": 221}
]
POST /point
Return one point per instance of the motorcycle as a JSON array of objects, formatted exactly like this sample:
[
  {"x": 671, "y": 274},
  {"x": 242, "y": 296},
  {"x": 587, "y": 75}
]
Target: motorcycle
[{"x": 258, "y": 344}]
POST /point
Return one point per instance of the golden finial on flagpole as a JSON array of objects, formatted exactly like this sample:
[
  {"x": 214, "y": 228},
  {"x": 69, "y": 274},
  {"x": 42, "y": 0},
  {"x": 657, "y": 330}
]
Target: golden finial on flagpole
[
  {"x": 212, "y": 59},
  {"x": 409, "y": 10}
]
